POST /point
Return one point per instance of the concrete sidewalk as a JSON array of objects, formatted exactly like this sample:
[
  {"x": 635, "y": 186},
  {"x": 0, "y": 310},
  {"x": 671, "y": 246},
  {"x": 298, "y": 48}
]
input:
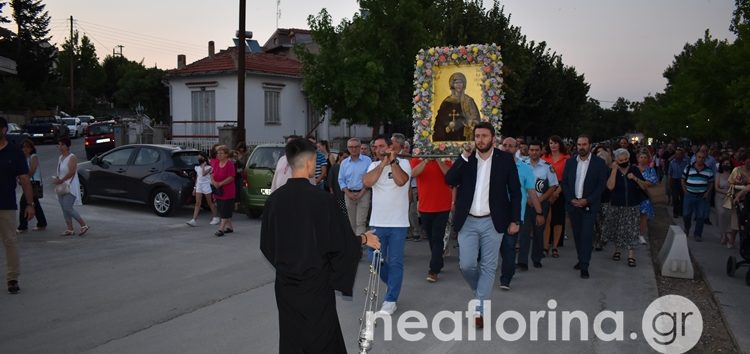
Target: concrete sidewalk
[{"x": 730, "y": 293}]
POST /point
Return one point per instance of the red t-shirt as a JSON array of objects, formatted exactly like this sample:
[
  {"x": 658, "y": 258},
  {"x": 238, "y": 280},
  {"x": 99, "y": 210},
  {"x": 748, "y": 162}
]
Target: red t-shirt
[
  {"x": 559, "y": 166},
  {"x": 220, "y": 174},
  {"x": 433, "y": 193}
]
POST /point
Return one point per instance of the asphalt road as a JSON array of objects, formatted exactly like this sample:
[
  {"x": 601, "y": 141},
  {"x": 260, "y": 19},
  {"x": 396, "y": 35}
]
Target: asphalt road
[{"x": 141, "y": 283}]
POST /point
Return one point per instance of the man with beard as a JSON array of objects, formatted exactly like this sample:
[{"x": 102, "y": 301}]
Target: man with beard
[
  {"x": 584, "y": 180},
  {"x": 487, "y": 205}
]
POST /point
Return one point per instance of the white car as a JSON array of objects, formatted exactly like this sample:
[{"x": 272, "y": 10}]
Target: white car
[
  {"x": 74, "y": 125},
  {"x": 86, "y": 120}
]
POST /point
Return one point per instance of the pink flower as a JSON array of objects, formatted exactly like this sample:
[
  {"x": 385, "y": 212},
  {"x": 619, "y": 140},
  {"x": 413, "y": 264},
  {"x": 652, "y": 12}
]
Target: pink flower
[
  {"x": 425, "y": 122},
  {"x": 442, "y": 58},
  {"x": 416, "y": 151},
  {"x": 417, "y": 98},
  {"x": 428, "y": 72},
  {"x": 470, "y": 58},
  {"x": 441, "y": 147}
]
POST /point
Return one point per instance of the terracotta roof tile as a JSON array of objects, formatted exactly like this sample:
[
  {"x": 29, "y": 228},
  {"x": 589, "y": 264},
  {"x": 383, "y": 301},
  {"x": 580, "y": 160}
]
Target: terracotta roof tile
[{"x": 254, "y": 62}]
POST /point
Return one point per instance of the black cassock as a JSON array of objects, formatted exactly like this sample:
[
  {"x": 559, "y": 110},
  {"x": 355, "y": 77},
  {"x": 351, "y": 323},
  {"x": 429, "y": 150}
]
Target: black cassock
[{"x": 308, "y": 240}]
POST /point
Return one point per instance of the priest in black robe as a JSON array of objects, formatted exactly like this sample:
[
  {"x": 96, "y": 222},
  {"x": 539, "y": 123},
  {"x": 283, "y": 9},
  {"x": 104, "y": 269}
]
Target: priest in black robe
[{"x": 307, "y": 238}]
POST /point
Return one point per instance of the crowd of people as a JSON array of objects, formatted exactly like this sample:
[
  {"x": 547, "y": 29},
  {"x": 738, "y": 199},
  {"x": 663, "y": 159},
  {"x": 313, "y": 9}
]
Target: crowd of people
[{"x": 508, "y": 201}]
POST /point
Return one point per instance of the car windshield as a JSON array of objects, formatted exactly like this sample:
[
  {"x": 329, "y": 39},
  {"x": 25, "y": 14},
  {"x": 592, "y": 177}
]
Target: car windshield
[
  {"x": 186, "y": 158},
  {"x": 85, "y": 119},
  {"x": 69, "y": 121},
  {"x": 100, "y": 129},
  {"x": 265, "y": 157}
]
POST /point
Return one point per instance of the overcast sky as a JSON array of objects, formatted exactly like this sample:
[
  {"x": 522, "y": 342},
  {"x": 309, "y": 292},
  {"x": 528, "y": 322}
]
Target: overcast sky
[{"x": 621, "y": 46}]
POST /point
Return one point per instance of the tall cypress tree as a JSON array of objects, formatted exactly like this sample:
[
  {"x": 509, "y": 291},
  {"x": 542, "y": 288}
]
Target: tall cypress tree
[{"x": 34, "y": 54}]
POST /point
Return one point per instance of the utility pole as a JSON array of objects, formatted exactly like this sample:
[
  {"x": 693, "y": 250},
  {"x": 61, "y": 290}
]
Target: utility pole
[
  {"x": 72, "y": 67},
  {"x": 241, "y": 73},
  {"x": 278, "y": 12}
]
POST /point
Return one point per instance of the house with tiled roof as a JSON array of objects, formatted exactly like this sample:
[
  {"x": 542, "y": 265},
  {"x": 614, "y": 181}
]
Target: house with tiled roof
[{"x": 203, "y": 95}]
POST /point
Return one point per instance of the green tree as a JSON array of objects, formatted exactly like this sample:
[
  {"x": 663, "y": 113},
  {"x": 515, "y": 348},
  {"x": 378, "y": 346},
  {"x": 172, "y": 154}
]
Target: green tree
[
  {"x": 88, "y": 75},
  {"x": 143, "y": 86}
]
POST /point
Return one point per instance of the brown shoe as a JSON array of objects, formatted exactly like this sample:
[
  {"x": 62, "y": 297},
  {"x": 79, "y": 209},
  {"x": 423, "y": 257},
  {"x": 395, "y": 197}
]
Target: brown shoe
[
  {"x": 479, "y": 322},
  {"x": 432, "y": 277}
]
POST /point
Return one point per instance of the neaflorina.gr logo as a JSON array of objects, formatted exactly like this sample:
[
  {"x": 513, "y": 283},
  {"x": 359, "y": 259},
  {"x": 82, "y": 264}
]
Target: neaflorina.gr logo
[{"x": 672, "y": 324}]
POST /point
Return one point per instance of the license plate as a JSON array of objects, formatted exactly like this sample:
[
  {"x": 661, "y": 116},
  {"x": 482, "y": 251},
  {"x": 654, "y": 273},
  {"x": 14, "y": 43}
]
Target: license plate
[
  {"x": 265, "y": 191},
  {"x": 38, "y": 134},
  {"x": 102, "y": 140}
]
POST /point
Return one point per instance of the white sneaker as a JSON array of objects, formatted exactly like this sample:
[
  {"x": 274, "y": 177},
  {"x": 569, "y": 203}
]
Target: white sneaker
[
  {"x": 388, "y": 308},
  {"x": 215, "y": 221},
  {"x": 642, "y": 240},
  {"x": 192, "y": 223}
]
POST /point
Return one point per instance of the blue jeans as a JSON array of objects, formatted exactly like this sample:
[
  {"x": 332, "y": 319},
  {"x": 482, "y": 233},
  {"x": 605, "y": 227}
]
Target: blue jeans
[
  {"x": 392, "y": 240},
  {"x": 508, "y": 252},
  {"x": 479, "y": 239},
  {"x": 433, "y": 225},
  {"x": 694, "y": 204}
]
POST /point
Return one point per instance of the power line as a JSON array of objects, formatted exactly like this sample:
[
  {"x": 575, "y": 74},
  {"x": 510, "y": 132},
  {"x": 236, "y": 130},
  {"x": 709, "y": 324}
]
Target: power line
[
  {"x": 118, "y": 30},
  {"x": 78, "y": 25},
  {"x": 112, "y": 34}
]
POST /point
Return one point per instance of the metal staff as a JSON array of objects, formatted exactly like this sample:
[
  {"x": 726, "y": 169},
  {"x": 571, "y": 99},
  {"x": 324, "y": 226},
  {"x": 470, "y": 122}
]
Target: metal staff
[{"x": 372, "y": 292}]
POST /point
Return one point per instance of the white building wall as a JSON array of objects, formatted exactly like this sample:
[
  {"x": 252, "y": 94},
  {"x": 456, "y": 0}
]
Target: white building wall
[{"x": 292, "y": 107}]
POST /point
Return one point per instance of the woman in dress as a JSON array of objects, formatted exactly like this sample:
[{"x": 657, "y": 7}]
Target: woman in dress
[
  {"x": 651, "y": 178},
  {"x": 721, "y": 186},
  {"x": 35, "y": 172},
  {"x": 67, "y": 173},
  {"x": 223, "y": 181},
  {"x": 627, "y": 185},
  {"x": 739, "y": 180},
  {"x": 557, "y": 156}
]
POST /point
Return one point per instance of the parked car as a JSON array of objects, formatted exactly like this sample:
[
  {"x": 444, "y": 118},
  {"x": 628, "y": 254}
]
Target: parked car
[
  {"x": 256, "y": 186},
  {"x": 74, "y": 125},
  {"x": 99, "y": 137},
  {"x": 16, "y": 135},
  {"x": 86, "y": 120},
  {"x": 47, "y": 128},
  {"x": 160, "y": 176}
]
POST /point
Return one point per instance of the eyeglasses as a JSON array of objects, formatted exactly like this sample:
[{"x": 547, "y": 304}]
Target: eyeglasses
[{"x": 353, "y": 147}]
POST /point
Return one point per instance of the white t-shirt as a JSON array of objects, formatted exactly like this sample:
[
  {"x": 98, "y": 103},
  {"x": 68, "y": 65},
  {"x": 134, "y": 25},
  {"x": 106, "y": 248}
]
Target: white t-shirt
[{"x": 390, "y": 203}]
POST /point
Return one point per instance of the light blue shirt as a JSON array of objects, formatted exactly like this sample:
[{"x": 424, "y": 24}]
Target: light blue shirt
[
  {"x": 526, "y": 176},
  {"x": 545, "y": 177},
  {"x": 351, "y": 172}
]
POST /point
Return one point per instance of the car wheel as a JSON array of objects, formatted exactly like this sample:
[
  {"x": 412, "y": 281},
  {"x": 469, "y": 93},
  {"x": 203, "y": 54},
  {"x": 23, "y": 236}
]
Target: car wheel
[
  {"x": 84, "y": 194},
  {"x": 162, "y": 202},
  {"x": 254, "y": 213}
]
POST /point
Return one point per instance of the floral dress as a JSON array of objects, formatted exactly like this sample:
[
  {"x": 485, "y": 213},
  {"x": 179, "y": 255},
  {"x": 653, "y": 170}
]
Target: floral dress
[{"x": 649, "y": 174}]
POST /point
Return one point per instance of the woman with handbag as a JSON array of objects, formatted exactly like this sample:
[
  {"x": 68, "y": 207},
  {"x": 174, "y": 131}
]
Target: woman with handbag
[
  {"x": 723, "y": 192},
  {"x": 224, "y": 190},
  {"x": 626, "y": 184},
  {"x": 650, "y": 178},
  {"x": 67, "y": 188},
  {"x": 35, "y": 173}
]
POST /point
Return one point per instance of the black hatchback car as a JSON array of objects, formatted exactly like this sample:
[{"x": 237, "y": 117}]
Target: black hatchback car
[{"x": 160, "y": 176}]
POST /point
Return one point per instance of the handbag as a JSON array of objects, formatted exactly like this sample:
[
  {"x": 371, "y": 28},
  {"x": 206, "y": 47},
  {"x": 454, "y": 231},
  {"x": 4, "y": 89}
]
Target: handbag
[
  {"x": 37, "y": 189},
  {"x": 728, "y": 202},
  {"x": 62, "y": 188}
]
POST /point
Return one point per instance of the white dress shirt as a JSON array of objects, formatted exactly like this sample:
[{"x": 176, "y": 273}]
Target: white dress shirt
[
  {"x": 480, "y": 205},
  {"x": 581, "y": 169}
]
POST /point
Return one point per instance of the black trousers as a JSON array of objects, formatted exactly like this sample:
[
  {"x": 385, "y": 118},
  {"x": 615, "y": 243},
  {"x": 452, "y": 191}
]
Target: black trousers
[
  {"x": 433, "y": 225},
  {"x": 677, "y": 197},
  {"x": 531, "y": 236},
  {"x": 23, "y": 224},
  {"x": 582, "y": 222}
]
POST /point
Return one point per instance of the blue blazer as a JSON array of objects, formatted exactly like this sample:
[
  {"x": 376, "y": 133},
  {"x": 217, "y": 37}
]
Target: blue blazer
[
  {"x": 505, "y": 189},
  {"x": 593, "y": 185}
]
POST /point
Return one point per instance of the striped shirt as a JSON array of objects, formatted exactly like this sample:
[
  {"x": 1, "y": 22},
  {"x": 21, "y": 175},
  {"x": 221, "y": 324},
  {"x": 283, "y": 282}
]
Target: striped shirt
[
  {"x": 320, "y": 161},
  {"x": 697, "y": 182}
]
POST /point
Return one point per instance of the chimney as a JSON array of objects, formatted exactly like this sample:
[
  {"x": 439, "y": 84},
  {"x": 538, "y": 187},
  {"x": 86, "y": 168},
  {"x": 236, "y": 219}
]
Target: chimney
[
  {"x": 211, "y": 49},
  {"x": 181, "y": 61}
]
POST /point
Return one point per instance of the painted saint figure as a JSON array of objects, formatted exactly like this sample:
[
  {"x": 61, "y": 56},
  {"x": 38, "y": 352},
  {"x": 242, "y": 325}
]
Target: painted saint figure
[{"x": 458, "y": 113}]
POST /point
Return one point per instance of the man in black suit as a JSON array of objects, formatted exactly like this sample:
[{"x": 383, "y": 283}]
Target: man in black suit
[
  {"x": 583, "y": 182},
  {"x": 487, "y": 205}
]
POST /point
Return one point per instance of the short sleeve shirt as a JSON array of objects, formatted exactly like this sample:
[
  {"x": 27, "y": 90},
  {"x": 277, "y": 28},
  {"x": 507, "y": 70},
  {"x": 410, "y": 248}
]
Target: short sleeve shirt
[
  {"x": 545, "y": 177},
  {"x": 434, "y": 194},
  {"x": 12, "y": 165},
  {"x": 528, "y": 181},
  {"x": 390, "y": 202}
]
